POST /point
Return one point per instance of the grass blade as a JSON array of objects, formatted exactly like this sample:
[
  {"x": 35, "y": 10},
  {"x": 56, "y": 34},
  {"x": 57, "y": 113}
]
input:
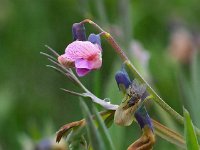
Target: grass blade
[
  {"x": 190, "y": 136},
  {"x": 169, "y": 135},
  {"x": 94, "y": 136},
  {"x": 103, "y": 131}
]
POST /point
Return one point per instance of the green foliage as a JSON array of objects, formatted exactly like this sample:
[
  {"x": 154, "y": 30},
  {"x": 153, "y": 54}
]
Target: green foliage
[
  {"x": 102, "y": 128},
  {"x": 190, "y": 136},
  {"x": 99, "y": 139},
  {"x": 94, "y": 136},
  {"x": 76, "y": 139},
  {"x": 190, "y": 88}
]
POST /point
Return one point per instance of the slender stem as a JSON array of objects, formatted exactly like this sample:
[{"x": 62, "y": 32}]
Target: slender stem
[
  {"x": 54, "y": 52},
  {"x": 73, "y": 93},
  {"x": 48, "y": 56},
  {"x": 125, "y": 59},
  {"x": 79, "y": 82},
  {"x": 109, "y": 38},
  {"x": 114, "y": 44}
]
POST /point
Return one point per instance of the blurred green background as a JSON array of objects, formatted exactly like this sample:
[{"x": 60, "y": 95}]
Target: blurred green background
[{"x": 162, "y": 38}]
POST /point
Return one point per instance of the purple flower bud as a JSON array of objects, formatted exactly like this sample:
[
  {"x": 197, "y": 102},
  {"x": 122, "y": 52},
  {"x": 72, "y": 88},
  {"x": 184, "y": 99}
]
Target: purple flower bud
[
  {"x": 122, "y": 78},
  {"x": 78, "y": 32},
  {"x": 143, "y": 118},
  {"x": 95, "y": 39}
]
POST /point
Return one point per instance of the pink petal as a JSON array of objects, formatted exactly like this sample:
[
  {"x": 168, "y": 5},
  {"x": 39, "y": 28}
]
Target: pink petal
[
  {"x": 82, "y": 71},
  {"x": 96, "y": 62},
  {"x": 82, "y": 63},
  {"x": 89, "y": 64},
  {"x": 81, "y": 49}
]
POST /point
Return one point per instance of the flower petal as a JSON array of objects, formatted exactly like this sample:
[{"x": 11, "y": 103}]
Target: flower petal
[
  {"x": 82, "y": 71},
  {"x": 95, "y": 39},
  {"x": 65, "y": 61},
  {"x": 82, "y": 63},
  {"x": 81, "y": 49},
  {"x": 95, "y": 62},
  {"x": 83, "y": 55}
]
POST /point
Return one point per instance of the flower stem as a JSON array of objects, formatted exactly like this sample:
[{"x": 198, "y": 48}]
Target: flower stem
[
  {"x": 125, "y": 59},
  {"x": 114, "y": 44},
  {"x": 110, "y": 40}
]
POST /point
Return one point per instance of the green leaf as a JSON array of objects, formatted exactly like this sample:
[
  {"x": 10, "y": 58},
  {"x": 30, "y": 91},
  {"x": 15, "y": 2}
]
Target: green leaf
[
  {"x": 195, "y": 85},
  {"x": 195, "y": 71},
  {"x": 190, "y": 136},
  {"x": 103, "y": 131},
  {"x": 93, "y": 134}
]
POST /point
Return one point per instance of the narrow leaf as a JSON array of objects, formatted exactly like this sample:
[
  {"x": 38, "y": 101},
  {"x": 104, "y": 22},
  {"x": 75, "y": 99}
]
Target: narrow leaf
[
  {"x": 53, "y": 51},
  {"x": 48, "y": 56},
  {"x": 190, "y": 136},
  {"x": 94, "y": 136},
  {"x": 103, "y": 131},
  {"x": 168, "y": 135}
]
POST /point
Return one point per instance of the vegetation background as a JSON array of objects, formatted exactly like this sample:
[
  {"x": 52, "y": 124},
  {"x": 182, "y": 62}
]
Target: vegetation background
[{"x": 31, "y": 105}]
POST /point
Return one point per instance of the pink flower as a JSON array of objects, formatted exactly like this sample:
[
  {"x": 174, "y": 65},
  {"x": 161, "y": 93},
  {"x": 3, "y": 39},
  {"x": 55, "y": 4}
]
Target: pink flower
[{"x": 83, "y": 55}]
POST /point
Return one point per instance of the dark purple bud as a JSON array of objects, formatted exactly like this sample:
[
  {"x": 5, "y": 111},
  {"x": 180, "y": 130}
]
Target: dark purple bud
[
  {"x": 78, "y": 32},
  {"x": 122, "y": 78},
  {"x": 95, "y": 39},
  {"x": 143, "y": 119}
]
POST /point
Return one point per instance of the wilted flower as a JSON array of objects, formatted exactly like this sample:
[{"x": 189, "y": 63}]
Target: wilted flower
[
  {"x": 83, "y": 55},
  {"x": 129, "y": 108},
  {"x": 134, "y": 94}
]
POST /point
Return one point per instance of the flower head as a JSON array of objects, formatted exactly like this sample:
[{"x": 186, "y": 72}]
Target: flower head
[{"x": 83, "y": 55}]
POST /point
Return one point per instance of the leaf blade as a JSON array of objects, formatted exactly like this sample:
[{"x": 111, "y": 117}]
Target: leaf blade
[
  {"x": 190, "y": 136},
  {"x": 93, "y": 134},
  {"x": 103, "y": 131}
]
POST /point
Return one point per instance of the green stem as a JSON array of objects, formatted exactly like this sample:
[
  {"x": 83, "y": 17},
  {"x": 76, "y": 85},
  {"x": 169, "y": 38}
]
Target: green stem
[
  {"x": 110, "y": 40},
  {"x": 125, "y": 59}
]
